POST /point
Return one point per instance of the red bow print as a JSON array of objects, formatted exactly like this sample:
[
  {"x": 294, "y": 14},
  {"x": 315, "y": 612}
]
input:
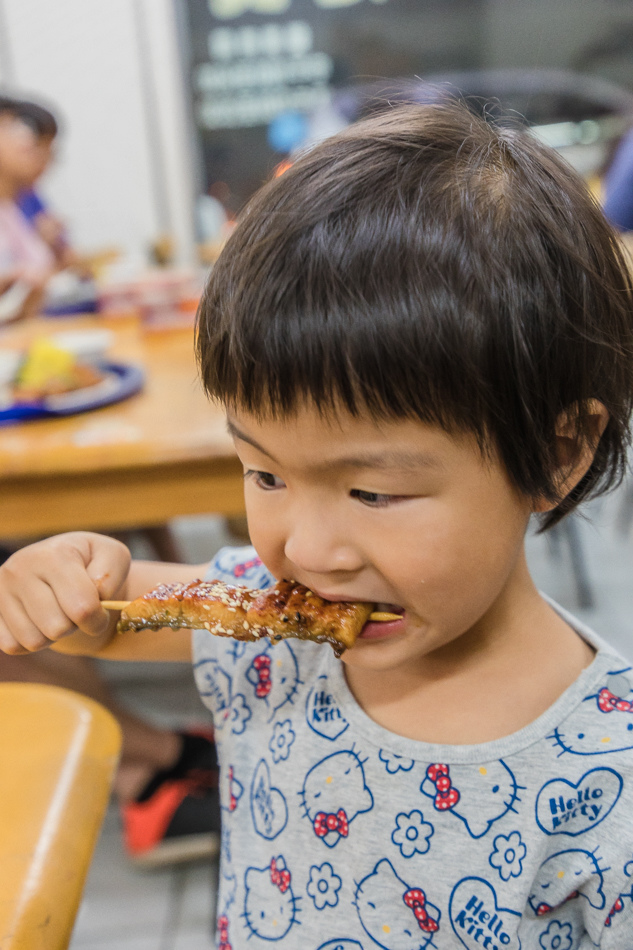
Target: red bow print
[
  {"x": 264, "y": 684},
  {"x": 280, "y": 878},
  {"x": 324, "y": 823},
  {"x": 416, "y": 899},
  {"x": 607, "y": 702},
  {"x": 447, "y": 796},
  {"x": 616, "y": 909},
  {"x": 543, "y": 908},
  {"x": 240, "y": 569},
  {"x": 223, "y": 927},
  {"x": 232, "y": 798}
]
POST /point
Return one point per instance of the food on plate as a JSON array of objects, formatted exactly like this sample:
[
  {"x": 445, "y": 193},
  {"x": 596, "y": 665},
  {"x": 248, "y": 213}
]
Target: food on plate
[{"x": 49, "y": 370}]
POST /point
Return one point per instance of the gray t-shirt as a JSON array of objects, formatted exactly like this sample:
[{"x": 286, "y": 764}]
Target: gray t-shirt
[{"x": 340, "y": 835}]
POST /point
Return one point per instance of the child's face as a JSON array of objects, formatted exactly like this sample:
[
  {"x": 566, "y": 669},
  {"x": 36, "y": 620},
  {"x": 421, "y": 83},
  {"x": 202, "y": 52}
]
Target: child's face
[
  {"x": 24, "y": 155},
  {"x": 398, "y": 513}
]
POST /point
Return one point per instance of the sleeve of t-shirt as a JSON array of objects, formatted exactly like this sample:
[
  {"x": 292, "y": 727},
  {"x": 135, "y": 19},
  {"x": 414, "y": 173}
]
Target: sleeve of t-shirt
[
  {"x": 240, "y": 566},
  {"x": 214, "y": 657},
  {"x": 243, "y": 568}
]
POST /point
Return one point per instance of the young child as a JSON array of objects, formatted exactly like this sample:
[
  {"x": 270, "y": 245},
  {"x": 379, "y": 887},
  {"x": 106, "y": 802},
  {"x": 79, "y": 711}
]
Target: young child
[
  {"x": 422, "y": 335},
  {"x": 27, "y": 132}
]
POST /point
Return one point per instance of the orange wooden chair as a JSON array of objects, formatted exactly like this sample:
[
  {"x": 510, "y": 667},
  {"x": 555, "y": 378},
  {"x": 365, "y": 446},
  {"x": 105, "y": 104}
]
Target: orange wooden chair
[{"x": 58, "y": 753}]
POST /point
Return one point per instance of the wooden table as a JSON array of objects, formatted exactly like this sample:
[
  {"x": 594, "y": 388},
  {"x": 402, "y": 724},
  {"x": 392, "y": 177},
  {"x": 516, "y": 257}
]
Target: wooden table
[{"x": 160, "y": 454}]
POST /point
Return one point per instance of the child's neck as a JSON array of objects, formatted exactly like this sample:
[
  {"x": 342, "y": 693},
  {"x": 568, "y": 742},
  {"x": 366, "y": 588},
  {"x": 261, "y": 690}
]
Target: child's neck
[{"x": 488, "y": 683}]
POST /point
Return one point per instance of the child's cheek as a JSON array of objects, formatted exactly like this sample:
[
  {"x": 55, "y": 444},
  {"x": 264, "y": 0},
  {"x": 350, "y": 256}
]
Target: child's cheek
[{"x": 267, "y": 538}]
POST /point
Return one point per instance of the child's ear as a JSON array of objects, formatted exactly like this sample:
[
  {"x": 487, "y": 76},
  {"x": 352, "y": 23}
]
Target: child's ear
[{"x": 574, "y": 456}]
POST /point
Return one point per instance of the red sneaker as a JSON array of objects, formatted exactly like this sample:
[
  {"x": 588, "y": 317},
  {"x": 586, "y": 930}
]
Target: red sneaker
[{"x": 177, "y": 816}]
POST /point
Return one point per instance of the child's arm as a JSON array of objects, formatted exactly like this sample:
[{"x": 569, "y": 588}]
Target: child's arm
[{"x": 50, "y": 595}]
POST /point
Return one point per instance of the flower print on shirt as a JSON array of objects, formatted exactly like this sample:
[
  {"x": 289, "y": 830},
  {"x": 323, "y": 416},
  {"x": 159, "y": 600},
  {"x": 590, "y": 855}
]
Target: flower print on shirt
[
  {"x": 507, "y": 855},
  {"x": 323, "y": 886},
  {"x": 395, "y": 763},
  {"x": 557, "y": 937},
  {"x": 239, "y": 715},
  {"x": 412, "y": 833},
  {"x": 282, "y": 738}
]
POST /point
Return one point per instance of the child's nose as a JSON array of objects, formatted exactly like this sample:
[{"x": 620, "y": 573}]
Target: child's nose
[{"x": 317, "y": 548}]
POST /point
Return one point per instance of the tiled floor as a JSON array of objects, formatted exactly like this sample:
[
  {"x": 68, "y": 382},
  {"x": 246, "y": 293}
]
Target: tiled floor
[{"x": 173, "y": 909}]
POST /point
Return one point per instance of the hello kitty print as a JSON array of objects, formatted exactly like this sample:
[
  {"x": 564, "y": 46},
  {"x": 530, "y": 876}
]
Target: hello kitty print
[{"x": 338, "y": 835}]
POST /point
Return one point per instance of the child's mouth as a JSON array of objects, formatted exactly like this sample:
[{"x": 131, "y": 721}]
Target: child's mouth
[{"x": 382, "y": 630}]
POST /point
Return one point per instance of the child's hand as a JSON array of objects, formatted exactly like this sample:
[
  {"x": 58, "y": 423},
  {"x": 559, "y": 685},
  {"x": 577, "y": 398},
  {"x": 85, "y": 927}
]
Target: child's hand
[{"x": 53, "y": 588}]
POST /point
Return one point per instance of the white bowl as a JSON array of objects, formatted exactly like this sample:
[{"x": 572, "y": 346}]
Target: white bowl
[
  {"x": 89, "y": 346},
  {"x": 9, "y": 362}
]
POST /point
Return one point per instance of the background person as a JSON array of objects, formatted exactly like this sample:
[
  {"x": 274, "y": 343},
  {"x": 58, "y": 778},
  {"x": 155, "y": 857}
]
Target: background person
[{"x": 27, "y": 134}]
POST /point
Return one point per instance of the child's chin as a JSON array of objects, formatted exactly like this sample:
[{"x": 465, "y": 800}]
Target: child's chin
[{"x": 383, "y": 654}]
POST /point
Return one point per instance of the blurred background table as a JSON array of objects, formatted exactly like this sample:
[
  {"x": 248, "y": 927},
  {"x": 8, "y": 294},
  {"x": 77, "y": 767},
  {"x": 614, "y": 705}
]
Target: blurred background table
[{"x": 158, "y": 455}]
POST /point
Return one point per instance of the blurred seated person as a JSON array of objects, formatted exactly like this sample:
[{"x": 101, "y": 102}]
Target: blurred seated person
[
  {"x": 27, "y": 133},
  {"x": 49, "y": 227}
]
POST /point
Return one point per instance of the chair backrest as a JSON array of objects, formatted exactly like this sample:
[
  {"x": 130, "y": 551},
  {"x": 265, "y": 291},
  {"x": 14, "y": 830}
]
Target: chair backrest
[{"x": 58, "y": 754}]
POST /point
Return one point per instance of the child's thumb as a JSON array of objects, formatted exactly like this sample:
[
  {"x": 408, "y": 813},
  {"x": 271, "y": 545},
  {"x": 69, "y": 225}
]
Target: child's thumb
[{"x": 108, "y": 569}]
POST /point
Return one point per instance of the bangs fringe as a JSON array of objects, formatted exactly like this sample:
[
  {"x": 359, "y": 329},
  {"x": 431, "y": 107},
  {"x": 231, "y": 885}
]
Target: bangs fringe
[{"x": 425, "y": 265}]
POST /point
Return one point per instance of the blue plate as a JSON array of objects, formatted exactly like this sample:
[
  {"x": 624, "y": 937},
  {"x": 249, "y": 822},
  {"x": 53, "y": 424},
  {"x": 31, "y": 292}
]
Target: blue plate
[{"x": 120, "y": 381}]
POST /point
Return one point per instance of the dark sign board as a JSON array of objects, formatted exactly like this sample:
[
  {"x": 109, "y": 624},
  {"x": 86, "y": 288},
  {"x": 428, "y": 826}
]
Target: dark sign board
[
  {"x": 262, "y": 73},
  {"x": 260, "y": 68}
]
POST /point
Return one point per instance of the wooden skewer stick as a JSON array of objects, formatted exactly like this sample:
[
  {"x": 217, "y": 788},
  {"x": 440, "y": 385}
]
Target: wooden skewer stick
[{"x": 378, "y": 616}]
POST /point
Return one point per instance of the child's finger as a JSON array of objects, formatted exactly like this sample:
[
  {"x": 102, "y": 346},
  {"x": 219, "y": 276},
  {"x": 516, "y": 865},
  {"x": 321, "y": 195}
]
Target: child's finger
[
  {"x": 8, "y": 643},
  {"x": 108, "y": 567},
  {"x": 45, "y": 613},
  {"x": 78, "y": 598},
  {"x": 19, "y": 631}
]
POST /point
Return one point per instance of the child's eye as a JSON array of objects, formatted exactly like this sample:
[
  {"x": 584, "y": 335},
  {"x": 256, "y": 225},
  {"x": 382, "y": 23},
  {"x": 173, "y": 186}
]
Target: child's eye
[
  {"x": 265, "y": 480},
  {"x": 372, "y": 498}
]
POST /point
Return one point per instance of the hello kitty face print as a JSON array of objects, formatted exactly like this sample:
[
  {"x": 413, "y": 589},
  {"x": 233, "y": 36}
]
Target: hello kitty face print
[
  {"x": 607, "y": 723},
  {"x": 476, "y": 795},
  {"x": 566, "y": 876},
  {"x": 624, "y": 898},
  {"x": 395, "y": 914},
  {"x": 334, "y": 793},
  {"x": 270, "y": 907},
  {"x": 274, "y": 676}
]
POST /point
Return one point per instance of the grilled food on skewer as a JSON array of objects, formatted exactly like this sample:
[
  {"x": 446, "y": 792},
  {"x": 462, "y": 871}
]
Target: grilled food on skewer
[{"x": 286, "y": 610}]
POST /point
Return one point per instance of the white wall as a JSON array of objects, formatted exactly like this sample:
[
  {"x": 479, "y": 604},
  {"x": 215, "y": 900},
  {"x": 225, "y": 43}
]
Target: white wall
[{"x": 111, "y": 70}]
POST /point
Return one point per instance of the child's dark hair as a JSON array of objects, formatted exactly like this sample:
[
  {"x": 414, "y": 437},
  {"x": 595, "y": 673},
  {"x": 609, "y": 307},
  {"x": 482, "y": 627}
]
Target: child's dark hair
[
  {"x": 425, "y": 263},
  {"x": 39, "y": 119}
]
